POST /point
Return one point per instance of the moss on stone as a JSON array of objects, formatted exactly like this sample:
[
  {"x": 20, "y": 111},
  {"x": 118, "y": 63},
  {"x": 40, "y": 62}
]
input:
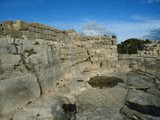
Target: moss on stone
[{"x": 104, "y": 81}]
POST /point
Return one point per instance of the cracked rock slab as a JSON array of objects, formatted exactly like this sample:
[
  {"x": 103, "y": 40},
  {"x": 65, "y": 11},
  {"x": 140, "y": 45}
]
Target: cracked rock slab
[{"x": 18, "y": 91}]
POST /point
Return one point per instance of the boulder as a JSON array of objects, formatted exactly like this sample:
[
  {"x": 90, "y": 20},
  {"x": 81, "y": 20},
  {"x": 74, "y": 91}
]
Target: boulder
[{"x": 18, "y": 91}]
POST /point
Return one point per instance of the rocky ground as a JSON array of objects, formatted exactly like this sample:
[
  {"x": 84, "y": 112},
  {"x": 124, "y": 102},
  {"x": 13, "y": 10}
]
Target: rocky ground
[
  {"x": 136, "y": 96},
  {"x": 49, "y": 74}
]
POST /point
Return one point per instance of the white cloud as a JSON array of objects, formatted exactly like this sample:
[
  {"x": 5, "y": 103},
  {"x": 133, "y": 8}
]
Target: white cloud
[
  {"x": 153, "y": 35},
  {"x": 93, "y": 28},
  {"x": 123, "y": 30}
]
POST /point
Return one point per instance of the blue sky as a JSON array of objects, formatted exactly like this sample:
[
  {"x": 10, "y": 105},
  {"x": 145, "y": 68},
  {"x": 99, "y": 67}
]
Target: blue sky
[{"x": 125, "y": 18}]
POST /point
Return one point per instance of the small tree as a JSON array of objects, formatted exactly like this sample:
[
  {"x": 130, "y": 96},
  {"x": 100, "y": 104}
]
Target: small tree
[{"x": 114, "y": 36}]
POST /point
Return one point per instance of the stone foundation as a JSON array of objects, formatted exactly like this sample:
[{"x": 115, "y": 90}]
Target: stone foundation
[{"x": 46, "y": 53}]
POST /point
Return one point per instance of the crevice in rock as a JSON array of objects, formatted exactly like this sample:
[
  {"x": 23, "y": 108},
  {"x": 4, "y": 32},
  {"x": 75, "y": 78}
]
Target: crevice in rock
[
  {"x": 142, "y": 89},
  {"x": 144, "y": 109},
  {"x": 15, "y": 45},
  {"x": 156, "y": 83},
  {"x": 30, "y": 52},
  {"x": 89, "y": 57},
  {"x": 80, "y": 80},
  {"x": 40, "y": 87},
  {"x": 101, "y": 64},
  {"x": 23, "y": 58},
  {"x": 29, "y": 102},
  {"x": 133, "y": 115}
]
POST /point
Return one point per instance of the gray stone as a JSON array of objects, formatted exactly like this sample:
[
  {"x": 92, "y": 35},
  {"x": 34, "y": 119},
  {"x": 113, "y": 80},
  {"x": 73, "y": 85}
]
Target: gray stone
[
  {"x": 18, "y": 91},
  {"x": 100, "y": 104},
  {"x": 49, "y": 76}
]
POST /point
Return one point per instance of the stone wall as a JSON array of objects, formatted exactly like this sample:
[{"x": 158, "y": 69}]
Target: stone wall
[
  {"x": 43, "y": 54},
  {"x": 150, "y": 50},
  {"x": 71, "y": 45}
]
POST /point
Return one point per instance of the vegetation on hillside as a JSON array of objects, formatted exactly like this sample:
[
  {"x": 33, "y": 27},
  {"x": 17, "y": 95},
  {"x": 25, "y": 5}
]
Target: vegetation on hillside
[{"x": 132, "y": 45}]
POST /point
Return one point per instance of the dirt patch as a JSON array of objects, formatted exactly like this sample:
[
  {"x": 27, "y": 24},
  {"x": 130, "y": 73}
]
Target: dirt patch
[{"x": 104, "y": 81}]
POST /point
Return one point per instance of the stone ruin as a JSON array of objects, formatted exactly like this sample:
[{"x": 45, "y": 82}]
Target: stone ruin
[
  {"x": 42, "y": 69},
  {"x": 43, "y": 55}
]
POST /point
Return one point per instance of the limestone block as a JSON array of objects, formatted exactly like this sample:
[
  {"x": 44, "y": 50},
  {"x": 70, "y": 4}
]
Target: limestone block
[
  {"x": 32, "y": 35},
  {"x": 42, "y": 31},
  {"x": 5, "y": 47},
  {"x": 15, "y": 34},
  {"x": 113, "y": 46},
  {"x": 83, "y": 38},
  {"x": 40, "y": 36},
  {"x": 20, "y": 25},
  {"x": 8, "y": 58},
  {"x": 48, "y": 37},
  {"x": 49, "y": 75},
  {"x": 33, "y": 24},
  {"x": 38, "y": 30},
  {"x": 6, "y": 31},
  {"x": 47, "y": 32},
  {"x": 9, "y": 30},
  {"x": 104, "y": 42},
  {"x": 1, "y": 30},
  {"x": 114, "y": 42},
  {"x": 7, "y": 24},
  {"x": 35, "y": 59},
  {"x": 25, "y": 34},
  {"x": 18, "y": 91},
  {"x": 32, "y": 29}
]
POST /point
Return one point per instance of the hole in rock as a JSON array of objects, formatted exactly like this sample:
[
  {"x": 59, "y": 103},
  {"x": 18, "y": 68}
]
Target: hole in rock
[
  {"x": 70, "y": 111},
  {"x": 69, "y": 108},
  {"x": 36, "y": 43},
  {"x": 144, "y": 109},
  {"x": 79, "y": 80},
  {"x": 29, "y": 102},
  {"x": 104, "y": 81},
  {"x": 142, "y": 89}
]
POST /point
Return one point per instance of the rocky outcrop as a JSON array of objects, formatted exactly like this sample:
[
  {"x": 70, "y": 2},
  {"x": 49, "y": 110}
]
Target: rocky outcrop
[
  {"x": 20, "y": 57},
  {"x": 45, "y": 73},
  {"x": 40, "y": 57}
]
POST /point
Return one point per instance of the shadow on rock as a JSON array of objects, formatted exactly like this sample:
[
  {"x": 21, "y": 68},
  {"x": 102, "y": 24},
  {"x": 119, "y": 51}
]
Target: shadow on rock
[
  {"x": 64, "y": 112},
  {"x": 144, "y": 109}
]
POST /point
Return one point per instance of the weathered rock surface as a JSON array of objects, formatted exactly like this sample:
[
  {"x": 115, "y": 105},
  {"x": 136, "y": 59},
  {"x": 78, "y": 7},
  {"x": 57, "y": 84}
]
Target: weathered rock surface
[
  {"x": 18, "y": 91},
  {"x": 42, "y": 69},
  {"x": 142, "y": 98},
  {"x": 100, "y": 104},
  {"x": 49, "y": 55}
]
